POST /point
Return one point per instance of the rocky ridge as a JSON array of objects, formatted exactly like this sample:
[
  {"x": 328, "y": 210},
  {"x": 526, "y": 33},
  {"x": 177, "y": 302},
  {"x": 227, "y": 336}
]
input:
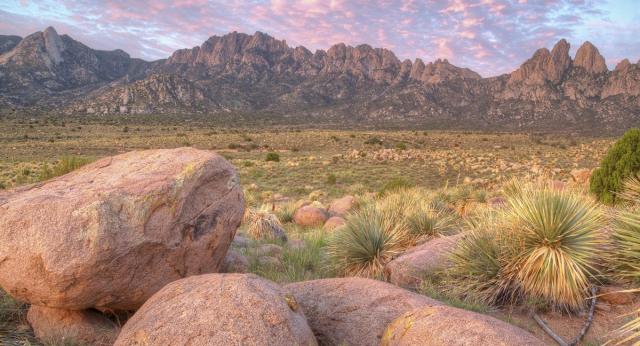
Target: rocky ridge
[{"x": 257, "y": 74}]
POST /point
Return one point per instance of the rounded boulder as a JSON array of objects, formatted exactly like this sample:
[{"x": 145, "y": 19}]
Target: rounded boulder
[
  {"x": 449, "y": 326},
  {"x": 112, "y": 233},
  {"x": 353, "y": 311},
  {"x": 218, "y": 309},
  {"x": 310, "y": 216}
]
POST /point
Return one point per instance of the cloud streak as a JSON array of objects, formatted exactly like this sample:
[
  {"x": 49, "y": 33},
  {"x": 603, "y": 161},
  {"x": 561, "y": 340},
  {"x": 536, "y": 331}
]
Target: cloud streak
[{"x": 489, "y": 36}]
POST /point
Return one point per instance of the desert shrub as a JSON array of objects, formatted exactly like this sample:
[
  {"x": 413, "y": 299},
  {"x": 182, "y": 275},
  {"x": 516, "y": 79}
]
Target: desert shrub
[
  {"x": 373, "y": 141},
  {"x": 368, "y": 240},
  {"x": 428, "y": 219},
  {"x": 626, "y": 234},
  {"x": 275, "y": 157},
  {"x": 332, "y": 179},
  {"x": 626, "y": 239},
  {"x": 401, "y": 146},
  {"x": 543, "y": 247},
  {"x": 396, "y": 184},
  {"x": 622, "y": 161},
  {"x": 307, "y": 262},
  {"x": 63, "y": 166},
  {"x": 285, "y": 212},
  {"x": 262, "y": 224},
  {"x": 477, "y": 267}
]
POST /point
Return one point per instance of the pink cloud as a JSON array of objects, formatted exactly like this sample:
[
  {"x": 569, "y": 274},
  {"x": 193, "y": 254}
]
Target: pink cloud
[{"x": 491, "y": 36}]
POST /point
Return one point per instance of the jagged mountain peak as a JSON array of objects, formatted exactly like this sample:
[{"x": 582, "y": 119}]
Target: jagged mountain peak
[
  {"x": 589, "y": 58},
  {"x": 253, "y": 73}
]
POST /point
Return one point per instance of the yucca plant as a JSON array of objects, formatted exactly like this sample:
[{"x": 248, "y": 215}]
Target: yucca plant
[
  {"x": 543, "y": 247},
  {"x": 555, "y": 245},
  {"x": 369, "y": 239},
  {"x": 626, "y": 254},
  {"x": 477, "y": 269},
  {"x": 285, "y": 212},
  {"x": 429, "y": 219},
  {"x": 262, "y": 224}
]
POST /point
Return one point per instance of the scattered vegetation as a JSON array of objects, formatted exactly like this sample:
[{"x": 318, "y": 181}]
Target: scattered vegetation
[
  {"x": 275, "y": 157},
  {"x": 63, "y": 166}
]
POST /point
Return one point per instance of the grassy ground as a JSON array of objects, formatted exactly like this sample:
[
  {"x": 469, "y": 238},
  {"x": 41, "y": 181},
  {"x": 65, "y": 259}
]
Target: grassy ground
[{"x": 336, "y": 162}]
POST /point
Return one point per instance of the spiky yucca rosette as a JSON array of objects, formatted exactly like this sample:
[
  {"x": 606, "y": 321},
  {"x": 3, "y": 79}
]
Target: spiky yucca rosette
[{"x": 543, "y": 247}]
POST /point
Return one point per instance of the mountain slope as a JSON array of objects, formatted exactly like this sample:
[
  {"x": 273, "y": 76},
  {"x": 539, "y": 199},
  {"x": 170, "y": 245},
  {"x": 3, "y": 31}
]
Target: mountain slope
[{"x": 260, "y": 75}]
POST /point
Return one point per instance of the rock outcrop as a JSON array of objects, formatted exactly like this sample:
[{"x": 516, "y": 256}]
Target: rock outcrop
[
  {"x": 219, "y": 309},
  {"x": 112, "y": 233},
  {"x": 588, "y": 57},
  {"x": 259, "y": 75},
  {"x": 448, "y": 326},
  {"x": 353, "y": 311}
]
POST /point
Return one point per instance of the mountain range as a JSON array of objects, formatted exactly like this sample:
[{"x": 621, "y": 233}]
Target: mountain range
[{"x": 257, "y": 76}]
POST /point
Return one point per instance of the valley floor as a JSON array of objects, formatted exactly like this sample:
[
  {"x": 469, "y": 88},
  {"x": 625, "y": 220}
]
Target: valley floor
[{"x": 279, "y": 165}]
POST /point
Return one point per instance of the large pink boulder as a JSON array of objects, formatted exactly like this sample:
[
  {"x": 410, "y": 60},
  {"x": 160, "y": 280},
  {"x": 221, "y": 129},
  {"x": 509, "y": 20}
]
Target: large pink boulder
[
  {"x": 353, "y": 311},
  {"x": 449, "y": 326},
  {"x": 219, "y": 309},
  {"x": 112, "y": 233}
]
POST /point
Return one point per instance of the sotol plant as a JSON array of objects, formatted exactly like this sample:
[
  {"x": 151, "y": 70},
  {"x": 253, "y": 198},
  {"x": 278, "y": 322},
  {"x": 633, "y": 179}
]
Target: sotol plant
[
  {"x": 262, "y": 224},
  {"x": 621, "y": 162},
  {"x": 626, "y": 254},
  {"x": 543, "y": 247},
  {"x": 369, "y": 239},
  {"x": 556, "y": 242}
]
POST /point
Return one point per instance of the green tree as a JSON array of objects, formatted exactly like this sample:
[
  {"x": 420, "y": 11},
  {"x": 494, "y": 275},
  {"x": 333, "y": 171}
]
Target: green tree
[{"x": 622, "y": 161}]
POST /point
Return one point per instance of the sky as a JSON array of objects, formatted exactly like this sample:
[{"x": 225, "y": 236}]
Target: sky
[{"x": 489, "y": 36}]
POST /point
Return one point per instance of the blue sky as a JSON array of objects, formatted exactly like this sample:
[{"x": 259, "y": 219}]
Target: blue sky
[{"x": 488, "y": 36}]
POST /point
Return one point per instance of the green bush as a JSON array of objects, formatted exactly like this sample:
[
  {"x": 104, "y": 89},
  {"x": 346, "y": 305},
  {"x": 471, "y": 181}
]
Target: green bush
[
  {"x": 275, "y": 157},
  {"x": 622, "y": 161}
]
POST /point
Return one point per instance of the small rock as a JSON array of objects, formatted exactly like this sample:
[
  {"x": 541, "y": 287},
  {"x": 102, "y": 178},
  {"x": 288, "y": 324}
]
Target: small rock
[
  {"x": 333, "y": 223},
  {"x": 341, "y": 206},
  {"x": 269, "y": 261},
  {"x": 240, "y": 241},
  {"x": 269, "y": 250},
  {"x": 234, "y": 262},
  {"x": 310, "y": 216},
  {"x": 71, "y": 326}
]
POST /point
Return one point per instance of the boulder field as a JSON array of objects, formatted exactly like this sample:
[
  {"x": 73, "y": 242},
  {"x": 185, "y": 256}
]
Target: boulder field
[{"x": 130, "y": 248}]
